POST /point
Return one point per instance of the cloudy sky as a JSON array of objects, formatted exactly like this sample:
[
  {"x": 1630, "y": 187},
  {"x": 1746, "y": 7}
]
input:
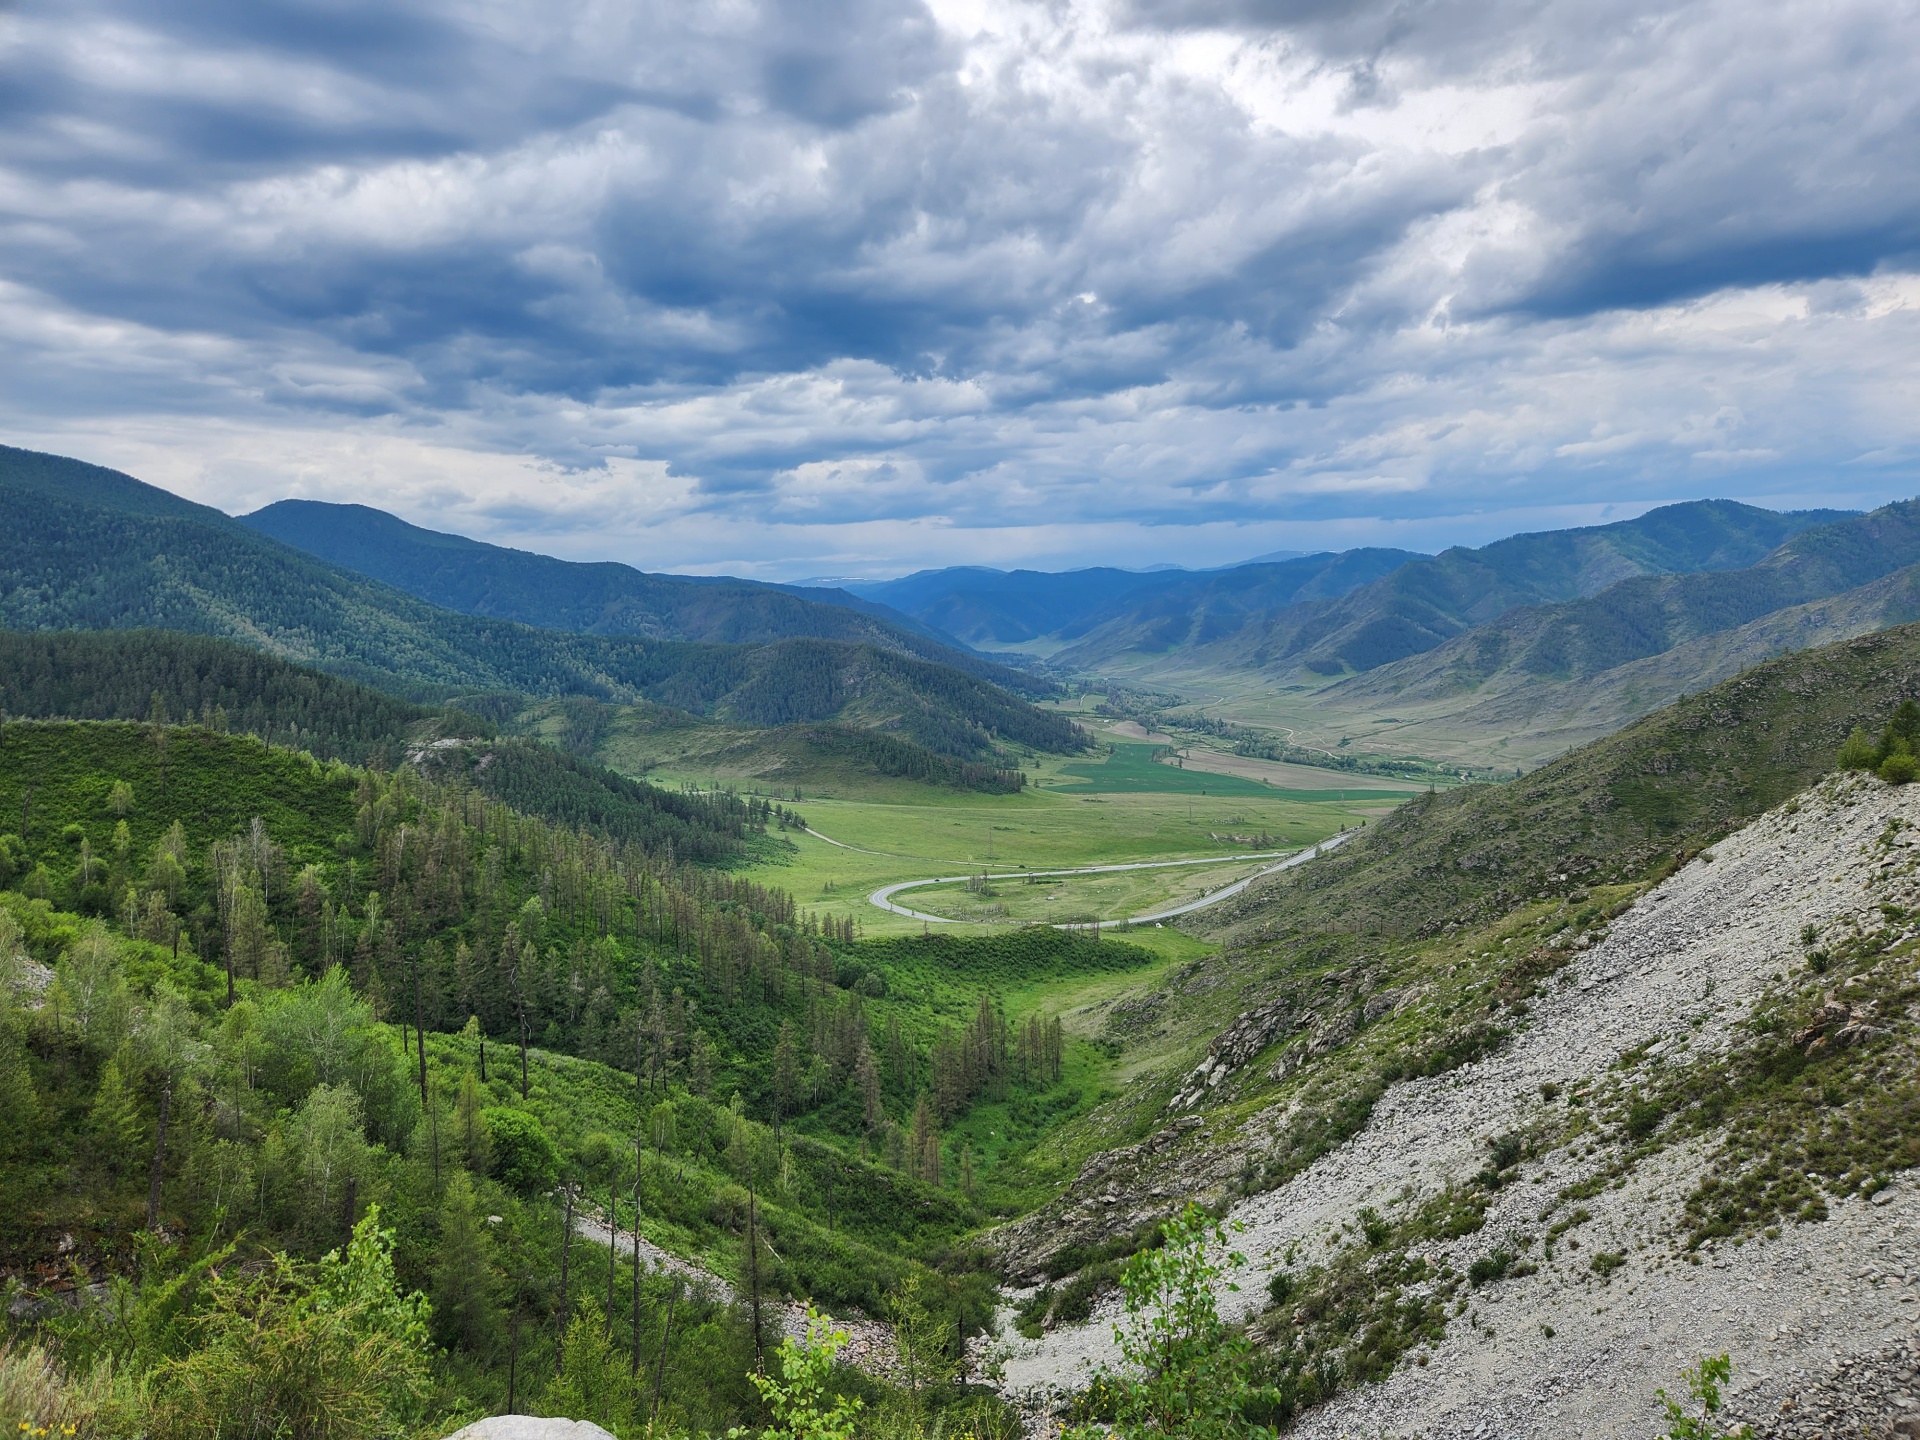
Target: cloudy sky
[{"x": 850, "y": 287}]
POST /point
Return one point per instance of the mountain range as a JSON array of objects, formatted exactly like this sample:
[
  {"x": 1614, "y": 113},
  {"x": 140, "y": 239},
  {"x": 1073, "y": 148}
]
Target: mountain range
[
  {"x": 1523, "y": 647},
  {"x": 91, "y": 549},
  {"x": 1332, "y": 614}
]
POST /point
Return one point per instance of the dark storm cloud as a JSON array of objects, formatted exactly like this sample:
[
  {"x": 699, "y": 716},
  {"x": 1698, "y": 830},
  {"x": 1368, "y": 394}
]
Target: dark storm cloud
[{"x": 1177, "y": 261}]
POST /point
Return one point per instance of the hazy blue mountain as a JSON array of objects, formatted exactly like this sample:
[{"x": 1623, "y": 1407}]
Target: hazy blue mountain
[
  {"x": 1427, "y": 600},
  {"x": 594, "y": 598},
  {"x": 988, "y": 607}
]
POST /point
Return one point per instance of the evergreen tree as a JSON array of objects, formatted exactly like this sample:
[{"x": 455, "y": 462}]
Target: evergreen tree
[
  {"x": 115, "y": 1120},
  {"x": 464, "y": 1310}
]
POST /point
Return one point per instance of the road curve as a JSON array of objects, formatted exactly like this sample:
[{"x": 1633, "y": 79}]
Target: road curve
[{"x": 883, "y": 897}]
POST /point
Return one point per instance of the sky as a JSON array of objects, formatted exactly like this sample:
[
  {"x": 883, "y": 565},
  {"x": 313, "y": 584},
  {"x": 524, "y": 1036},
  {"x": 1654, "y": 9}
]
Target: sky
[{"x": 852, "y": 288}]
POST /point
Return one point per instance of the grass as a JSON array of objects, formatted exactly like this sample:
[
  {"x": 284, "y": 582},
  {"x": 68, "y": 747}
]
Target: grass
[
  {"x": 1049, "y": 899},
  {"x": 1135, "y": 768},
  {"x": 919, "y": 832}
]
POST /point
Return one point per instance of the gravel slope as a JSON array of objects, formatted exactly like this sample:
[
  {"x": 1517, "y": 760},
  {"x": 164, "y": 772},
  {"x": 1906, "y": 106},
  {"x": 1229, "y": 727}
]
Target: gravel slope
[{"x": 1681, "y": 967}]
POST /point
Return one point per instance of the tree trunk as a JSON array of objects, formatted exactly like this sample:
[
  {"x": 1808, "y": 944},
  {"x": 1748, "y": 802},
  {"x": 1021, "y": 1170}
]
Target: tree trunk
[
  {"x": 513, "y": 1359},
  {"x": 660, "y": 1366},
  {"x": 613, "y": 1247},
  {"x": 753, "y": 1280},
  {"x": 419, "y": 1034},
  {"x": 523, "y": 1050}
]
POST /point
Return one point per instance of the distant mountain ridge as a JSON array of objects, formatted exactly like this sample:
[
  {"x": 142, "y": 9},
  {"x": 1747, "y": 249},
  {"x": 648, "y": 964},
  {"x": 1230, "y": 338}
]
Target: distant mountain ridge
[
  {"x": 987, "y": 607},
  {"x": 1323, "y": 614},
  {"x": 1427, "y": 600},
  {"x": 89, "y": 548},
  {"x": 1560, "y": 675},
  {"x": 590, "y": 597}
]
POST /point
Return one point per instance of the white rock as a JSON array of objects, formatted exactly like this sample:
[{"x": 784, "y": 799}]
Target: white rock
[{"x": 530, "y": 1427}]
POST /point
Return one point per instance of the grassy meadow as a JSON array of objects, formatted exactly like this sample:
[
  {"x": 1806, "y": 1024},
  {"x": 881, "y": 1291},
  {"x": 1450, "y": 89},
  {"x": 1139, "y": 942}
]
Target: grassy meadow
[{"x": 1074, "y": 814}]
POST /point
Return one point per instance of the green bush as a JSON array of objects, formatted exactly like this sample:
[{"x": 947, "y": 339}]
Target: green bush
[
  {"x": 523, "y": 1156},
  {"x": 332, "y": 1351}
]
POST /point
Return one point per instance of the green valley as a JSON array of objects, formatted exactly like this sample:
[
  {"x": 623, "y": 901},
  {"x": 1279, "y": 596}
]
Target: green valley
[{"x": 409, "y": 1014}]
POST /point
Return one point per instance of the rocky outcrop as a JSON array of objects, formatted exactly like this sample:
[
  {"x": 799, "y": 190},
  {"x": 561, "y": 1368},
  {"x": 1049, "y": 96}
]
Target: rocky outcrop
[
  {"x": 1837, "y": 1025},
  {"x": 1232, "y": 1048},
  {"x": 1107, "y": 1199}
]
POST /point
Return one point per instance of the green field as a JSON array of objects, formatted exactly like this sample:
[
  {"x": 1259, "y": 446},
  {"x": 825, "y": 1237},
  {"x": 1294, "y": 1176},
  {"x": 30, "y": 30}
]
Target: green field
[
  {"x": 1133, "y": 768},
  {"x": 1066, "y": 899},
  {"x": 1089, "y": 810}
]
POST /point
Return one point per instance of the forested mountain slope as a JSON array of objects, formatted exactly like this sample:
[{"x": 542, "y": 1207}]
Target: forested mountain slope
[
  {"x": 1214, "y": 606},
  {"x": 245, "y": 996},
  {"x": 1429, "y": 600},
  {"x": 1651, "y": 614},
  {"x": 86, "y": 548},
  {"x": 156, "y": 675},
  {"x": 603, "y": 598},
  {"x": 1544, "y": 718}
]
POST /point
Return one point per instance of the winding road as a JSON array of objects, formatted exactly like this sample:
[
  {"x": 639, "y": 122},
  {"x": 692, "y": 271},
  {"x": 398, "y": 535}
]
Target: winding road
[{"x": 883, "y": 897}]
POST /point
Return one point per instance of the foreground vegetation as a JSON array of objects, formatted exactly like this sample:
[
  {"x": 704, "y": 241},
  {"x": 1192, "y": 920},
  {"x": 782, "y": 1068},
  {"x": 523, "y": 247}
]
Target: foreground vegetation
[{"x": 250, "y": 995}]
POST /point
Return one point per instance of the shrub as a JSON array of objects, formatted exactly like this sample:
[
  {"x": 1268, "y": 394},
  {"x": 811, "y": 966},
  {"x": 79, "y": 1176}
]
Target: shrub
[
  {"x": 334, "y": 1351},
  {"x": 523, "y": 1156},
  {"x": 1899, "y": 768},
  {"x": 1187, "y": 1373},
  {"x": 801, "y": 1396},
  {"x": 1489, "y": 1268},
  {"x": 1703, "y": 1383},
  {"x": 1643, "y": 1118}
]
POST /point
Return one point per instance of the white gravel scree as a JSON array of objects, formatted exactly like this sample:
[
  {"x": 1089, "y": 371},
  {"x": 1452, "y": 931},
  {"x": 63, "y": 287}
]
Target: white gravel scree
[{"x": 1707, "y": 941}]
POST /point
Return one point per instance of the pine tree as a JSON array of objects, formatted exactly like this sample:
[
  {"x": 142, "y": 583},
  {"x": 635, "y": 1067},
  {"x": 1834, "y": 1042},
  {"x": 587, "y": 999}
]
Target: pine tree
[
  {"x": 786, "y": 1072},
  {"x": 464, "y": 1312},
  {"x": 866, "y": 1076},
  {"x": 115, "y": 1120}
]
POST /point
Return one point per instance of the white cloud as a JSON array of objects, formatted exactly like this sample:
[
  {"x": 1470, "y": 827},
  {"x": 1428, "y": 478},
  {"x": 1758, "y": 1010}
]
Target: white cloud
[{"x": 883, "y": 285}]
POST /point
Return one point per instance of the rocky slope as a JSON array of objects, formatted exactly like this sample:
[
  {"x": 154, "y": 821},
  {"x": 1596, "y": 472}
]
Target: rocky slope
[{"x": 1605, "y": 1266}]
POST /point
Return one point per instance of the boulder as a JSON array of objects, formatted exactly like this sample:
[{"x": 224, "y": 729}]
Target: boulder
[{"x": 530, "y": 1427}]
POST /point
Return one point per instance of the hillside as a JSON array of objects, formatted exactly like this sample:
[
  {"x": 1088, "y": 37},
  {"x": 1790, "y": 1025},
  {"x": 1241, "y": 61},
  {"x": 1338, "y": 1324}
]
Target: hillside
[
  {"x": 1662, "y": 787},
  {"x": 246, "y": 996},
  {"x": 87, "y": 548},
  {"x": 1519, "y": 1095},
  {"x": 1516, "y": 1181},
  {"x": 605, "y": 598},
  {"x": 1429, "y": 600},
  {"x": 1542, "y": 678},
  {"x": 220, "y": 686}
]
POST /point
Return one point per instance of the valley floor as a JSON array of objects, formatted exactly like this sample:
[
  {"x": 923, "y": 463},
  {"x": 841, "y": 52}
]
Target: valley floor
[{"x": 1569, "y": 1350}]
